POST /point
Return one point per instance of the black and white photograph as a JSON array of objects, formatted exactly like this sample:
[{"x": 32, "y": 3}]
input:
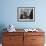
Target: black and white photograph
[{"x": 26, "y": 14}]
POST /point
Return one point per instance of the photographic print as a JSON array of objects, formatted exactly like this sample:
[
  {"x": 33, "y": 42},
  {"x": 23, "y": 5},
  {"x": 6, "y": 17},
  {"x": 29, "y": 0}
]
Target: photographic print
[{"x": 26, "y": 14}]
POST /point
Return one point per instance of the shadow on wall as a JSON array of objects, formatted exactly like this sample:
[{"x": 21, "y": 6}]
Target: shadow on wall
[{"x": 2, "y": 26}]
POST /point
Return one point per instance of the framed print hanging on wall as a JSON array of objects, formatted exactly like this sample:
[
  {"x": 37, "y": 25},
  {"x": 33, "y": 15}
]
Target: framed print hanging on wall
[{"x": 26, "y": 14}]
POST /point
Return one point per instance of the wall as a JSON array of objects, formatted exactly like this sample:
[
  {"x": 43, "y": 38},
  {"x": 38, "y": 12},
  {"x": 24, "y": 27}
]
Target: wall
[{"x": 8, "y": 9}]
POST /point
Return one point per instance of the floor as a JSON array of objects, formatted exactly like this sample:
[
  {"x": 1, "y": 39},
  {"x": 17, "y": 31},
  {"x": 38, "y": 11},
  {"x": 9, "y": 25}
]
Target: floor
[{"x": 0, "y": 44}]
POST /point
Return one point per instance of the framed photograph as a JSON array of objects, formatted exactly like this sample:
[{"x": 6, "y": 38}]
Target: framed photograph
[{"x": 26, "y": 14}]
